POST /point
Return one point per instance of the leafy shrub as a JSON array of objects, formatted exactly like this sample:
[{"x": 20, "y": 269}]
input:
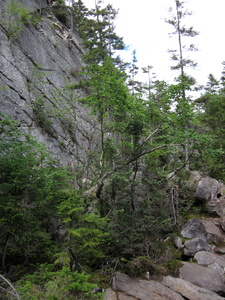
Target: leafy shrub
[{"x": 50, "y": 284}]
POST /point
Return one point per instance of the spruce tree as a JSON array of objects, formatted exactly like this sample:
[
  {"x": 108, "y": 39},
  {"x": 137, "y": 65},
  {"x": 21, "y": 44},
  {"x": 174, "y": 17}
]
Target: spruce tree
[{"x": 185, "y": 82}]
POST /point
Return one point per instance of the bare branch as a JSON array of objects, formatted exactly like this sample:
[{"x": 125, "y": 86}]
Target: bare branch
[
  {"x": 178, "y": 169},
  {"x": 157, "y": 130},
  {"x": 12, "y": 287},
  {"x": 135, "y": 157},
  {"x": 149, "y": 151}
]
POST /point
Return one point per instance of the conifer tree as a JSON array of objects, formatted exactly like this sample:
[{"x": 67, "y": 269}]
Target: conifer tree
[
  {"x": 212, "y": 119},
  {"x": 97, "y": 30},
  {"x": 184, "y": 81}
]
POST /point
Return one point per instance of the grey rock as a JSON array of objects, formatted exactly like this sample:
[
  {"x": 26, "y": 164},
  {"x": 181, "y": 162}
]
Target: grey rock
[
  {"x": 204, "y": 277},
  {"x": 143, "y": 289},
  {"x": 193, "y": 180},
  {"x": 211, "y": 260},
  {"x": 178, "y": 242},
  {"x": 122, "y": 296},
  {"x": 35, "y": 73},
  {"x": 209, "y": 190},
  {"x": 194, "y": 228},
  {"x": 214, "y": 232},
  {"x": 219, "y": 249},
  {"x": 191, "y": 247},
  {"x": 189, "y": 290},
  {"x": 221, "y": 211},
  {"x": 206, "y": 229},
  {"x": 110, "y": 294}
]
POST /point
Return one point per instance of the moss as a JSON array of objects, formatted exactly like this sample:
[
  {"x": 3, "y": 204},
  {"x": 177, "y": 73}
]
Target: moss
[
  {"x": 173, "y": 266},
  {"x": 139, "y": 266}
]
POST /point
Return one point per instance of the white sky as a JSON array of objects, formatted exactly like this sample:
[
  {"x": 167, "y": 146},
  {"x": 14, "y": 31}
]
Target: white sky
[{"x": 141, "y": 24}]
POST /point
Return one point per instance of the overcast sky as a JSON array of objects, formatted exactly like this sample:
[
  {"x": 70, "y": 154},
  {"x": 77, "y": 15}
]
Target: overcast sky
[{"x": 141, "y": 24}]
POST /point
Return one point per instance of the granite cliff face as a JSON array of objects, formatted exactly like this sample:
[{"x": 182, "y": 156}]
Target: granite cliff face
[{"x": 38, "y": 60}]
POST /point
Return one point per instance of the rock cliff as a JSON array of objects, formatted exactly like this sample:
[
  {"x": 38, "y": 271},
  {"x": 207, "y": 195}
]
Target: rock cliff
[{"x": 39, "y": 59}]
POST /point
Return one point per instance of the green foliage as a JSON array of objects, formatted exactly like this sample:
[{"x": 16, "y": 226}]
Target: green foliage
[
  {"x": 29, "y": 185},
  {"x": 86, "y": 231},
  {"x": 181, "y": 31},
  {"x": 211, "y": 119},
  {"x": 180, "y": 91},
  {"x": 173, "y": 266},
  {"x": 139, "y": 266},
  {"x": 51, "y": 284},
  {"x": 41, "y": 114},
  {"x": 109, "y": 94},
  {"x": 128, "y": 161},
  {"x": 61, "y": 11},
  {"x": 15, "y": 17},
  {"x": 138, "y": 214},
  {"x": 35, "y": 193},
  {"x": 96, "y": 29}
]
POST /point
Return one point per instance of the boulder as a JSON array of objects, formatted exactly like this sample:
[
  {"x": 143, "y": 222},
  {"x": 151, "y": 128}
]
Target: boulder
[
  {"x": 189, "y": 290},
  {"x": 191, "y": 247},
  {"x": 178, "y": 242},
  {"x": 110, "y": 294},
  {"x": 219, "y": 249},
  {"x": 194, "y": 179},
  {"x": 204, "y": 277},
  {"x": 122, "y": 296},
  {"x": 206, "y": 229},
  {"x": 214, "y": 233},
  {"x": 211, "y": 260},
  {"x": 194, "y": 228},
  {"x": 143, "y": 289},
  {"x": 209, "y": 190},
  {"x": 221, "y": 211}
]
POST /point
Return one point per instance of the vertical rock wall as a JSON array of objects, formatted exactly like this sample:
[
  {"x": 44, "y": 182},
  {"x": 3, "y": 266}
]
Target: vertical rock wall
[{"x": 37, "y": 63}]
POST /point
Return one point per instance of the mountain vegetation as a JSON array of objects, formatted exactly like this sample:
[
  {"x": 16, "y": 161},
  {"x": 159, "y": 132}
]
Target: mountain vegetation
[{"x": 64, "y": 231}]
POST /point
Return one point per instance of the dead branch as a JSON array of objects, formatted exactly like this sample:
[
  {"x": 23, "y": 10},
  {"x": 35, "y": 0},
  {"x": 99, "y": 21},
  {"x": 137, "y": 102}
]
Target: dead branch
[
  {"x": 135, "y": 157},
  {"x": 148, "y": 138},
  {"x": 178, "y": 169},
  {"x": 140, "y": 154},
  {"x": 15, "y": 294}
]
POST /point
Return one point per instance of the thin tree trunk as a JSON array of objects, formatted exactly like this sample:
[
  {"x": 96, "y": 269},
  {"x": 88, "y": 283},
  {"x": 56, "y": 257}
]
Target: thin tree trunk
[{"x": 184, "y": 99}]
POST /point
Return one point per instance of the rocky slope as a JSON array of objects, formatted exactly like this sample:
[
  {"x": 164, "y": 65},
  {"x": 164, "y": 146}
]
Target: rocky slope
[
  {"x": 39, "y": 58},
  {"x": 201, "y": 279},
  {"x": 201, "y": 275}
]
